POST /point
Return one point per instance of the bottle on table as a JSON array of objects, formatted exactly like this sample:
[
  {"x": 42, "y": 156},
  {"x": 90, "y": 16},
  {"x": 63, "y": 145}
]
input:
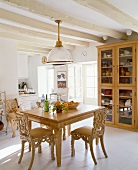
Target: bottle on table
[
  {"x": 46, "y": 105},
  {"x": 42, "y": 100}
]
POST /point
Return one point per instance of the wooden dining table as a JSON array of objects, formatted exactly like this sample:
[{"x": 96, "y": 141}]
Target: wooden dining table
[{"x": 58, "y": 120}]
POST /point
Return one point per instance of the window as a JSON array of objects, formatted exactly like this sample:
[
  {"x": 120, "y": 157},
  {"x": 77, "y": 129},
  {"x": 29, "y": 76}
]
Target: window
[
  {"x": 75, "y": 82},
  {"x": 45, "y": 80},
  {"x": 90, "y": 84}
]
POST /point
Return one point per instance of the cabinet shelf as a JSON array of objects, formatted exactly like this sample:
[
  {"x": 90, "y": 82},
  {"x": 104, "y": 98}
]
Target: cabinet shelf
[
  {"x": 106, "y": 104},
  {"x": 125, "y": 66},
  {"x": 106, "y": 95},
  {"x": 125, "y": 97},
  {"x": 107, "y": 67},
  {"x": 124, "y": 56},
  {"x": 129, "y": 117},
  {"x": 107, "y": 76},
  {"x": 107, "y": 58},
  {"x": 125, "y": 76},
  {"x": 124, "y": 106}
]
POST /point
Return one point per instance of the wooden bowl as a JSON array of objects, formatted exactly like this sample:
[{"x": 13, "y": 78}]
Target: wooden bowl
[{"x": 73, "y": 105}]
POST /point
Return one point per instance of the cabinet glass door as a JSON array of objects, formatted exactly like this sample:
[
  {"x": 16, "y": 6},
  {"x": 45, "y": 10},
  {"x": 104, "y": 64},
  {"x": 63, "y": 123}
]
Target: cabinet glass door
[
  {"x": 106, "y": 66},
  {"x": 107, "y": 101},
  {"x": 126, "y": 66},
  {"x": 125, "y": 106}
]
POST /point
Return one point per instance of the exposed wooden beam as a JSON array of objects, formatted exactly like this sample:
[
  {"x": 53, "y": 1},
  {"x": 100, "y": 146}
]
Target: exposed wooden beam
[
  {"x": 32, "y": 33},
  {"x": 41, "y": 9},
  {"x": 32, "y": 40},
  {"x": 111, "y": 12},
  {"x": 32, "y": 23}
]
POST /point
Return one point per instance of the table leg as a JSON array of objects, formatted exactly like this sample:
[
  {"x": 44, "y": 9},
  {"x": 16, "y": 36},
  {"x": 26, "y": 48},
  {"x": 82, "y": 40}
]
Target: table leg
[
  {"x": 58, "y": 146},
  {"x": 69, "y": 129}
]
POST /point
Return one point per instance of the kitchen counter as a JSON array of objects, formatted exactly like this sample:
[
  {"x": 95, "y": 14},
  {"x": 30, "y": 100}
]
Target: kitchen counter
[
  {"x": 27, "y": 94},
  {"x": 28, "y": 101}
]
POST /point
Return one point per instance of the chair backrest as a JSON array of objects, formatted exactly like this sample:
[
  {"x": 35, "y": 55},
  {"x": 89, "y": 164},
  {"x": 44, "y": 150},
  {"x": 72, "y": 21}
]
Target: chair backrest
[
  {"x": 23, "y": 126},
  {"x": 99, "y": 122},
  {"x": 11, "y": 105}
]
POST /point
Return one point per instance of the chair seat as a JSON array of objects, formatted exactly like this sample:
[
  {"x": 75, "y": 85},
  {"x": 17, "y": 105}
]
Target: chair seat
[
  {"x": 86, "y": 130},
  {"x": 39, "y": 132}
]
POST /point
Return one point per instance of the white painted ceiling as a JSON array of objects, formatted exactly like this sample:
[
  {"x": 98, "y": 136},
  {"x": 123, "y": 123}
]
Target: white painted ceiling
[{"x": 83, "y": 21}]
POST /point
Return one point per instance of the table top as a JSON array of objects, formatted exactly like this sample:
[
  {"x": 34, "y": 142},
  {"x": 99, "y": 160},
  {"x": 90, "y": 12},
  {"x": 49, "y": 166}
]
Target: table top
[{"x": 80, "y": 111}]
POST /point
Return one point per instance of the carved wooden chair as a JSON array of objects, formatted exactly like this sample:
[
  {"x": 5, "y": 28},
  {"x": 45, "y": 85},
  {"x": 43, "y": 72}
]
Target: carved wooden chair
[
  {"x": 88, "y": 134},
  {"x": 48, "y": 127},
  {"x": 34, "y": 137},
  {"x": 11, "y": 108}
]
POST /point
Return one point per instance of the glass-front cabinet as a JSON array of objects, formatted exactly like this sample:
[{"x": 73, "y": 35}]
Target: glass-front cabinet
[
  {"x": 118, "y": 83},
  {"x": 125, "y": 65},
  {"x": 106, "y": 66}
]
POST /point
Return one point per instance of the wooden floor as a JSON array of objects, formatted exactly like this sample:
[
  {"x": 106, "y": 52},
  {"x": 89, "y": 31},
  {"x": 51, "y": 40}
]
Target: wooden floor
[{"x": 121, "y": 147}]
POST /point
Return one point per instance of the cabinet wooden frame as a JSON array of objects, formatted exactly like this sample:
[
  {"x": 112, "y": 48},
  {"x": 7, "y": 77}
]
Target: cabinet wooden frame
[{"x": 132, "y": 85}]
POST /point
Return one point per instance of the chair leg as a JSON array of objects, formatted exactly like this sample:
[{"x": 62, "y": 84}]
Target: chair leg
[
  {"x": 39, "y": 149},
  {"x": 92, "y": 153},
  {"x": 33, "y": 154},
  {"x": 72, "y": 146},
  {"x": 86, "y": 145},
  {"x": 13, "y": 127},
  {"x": 7, "y": 119},
  {"x": 22, "y": 152},
  {"x": 102, "y": 145},
  {"x": 64, "y": 133},
  {"x": 29, "y": 147}
]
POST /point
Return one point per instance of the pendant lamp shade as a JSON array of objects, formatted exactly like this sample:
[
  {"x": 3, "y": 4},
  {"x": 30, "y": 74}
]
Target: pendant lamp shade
[{"x": 59, "y": 54}]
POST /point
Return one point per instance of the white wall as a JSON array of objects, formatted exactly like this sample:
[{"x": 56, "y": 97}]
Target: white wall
[
  {"x": 8, "y": 67},
  {"x": 91, "y": 53},
  {"x": 34, "y": 62}
]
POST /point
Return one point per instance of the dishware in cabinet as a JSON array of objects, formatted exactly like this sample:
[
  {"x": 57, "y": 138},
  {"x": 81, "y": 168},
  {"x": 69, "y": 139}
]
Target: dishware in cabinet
[
  {"x": 125, "y": 106},
  {"x": 106, "y": 99},
  {"x": 126, "y": 65},
  {"x": 106, "y": 66}
]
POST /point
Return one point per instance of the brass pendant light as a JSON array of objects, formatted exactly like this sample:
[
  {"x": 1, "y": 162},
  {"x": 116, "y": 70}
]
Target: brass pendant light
[{"x": 59, "y": 54}]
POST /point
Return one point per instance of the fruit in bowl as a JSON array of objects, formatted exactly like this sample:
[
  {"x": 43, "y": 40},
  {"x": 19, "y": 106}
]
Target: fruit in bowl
[{"x": 73, "y": 105}]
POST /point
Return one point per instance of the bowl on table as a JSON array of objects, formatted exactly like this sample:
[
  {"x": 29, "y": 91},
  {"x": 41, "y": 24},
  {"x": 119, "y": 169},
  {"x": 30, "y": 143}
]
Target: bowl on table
[{"x": 73, "y": 105}]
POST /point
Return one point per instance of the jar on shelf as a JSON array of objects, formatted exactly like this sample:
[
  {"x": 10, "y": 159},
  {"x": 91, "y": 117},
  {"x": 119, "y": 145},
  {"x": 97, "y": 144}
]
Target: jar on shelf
[
  {"x": 107, "y": 73},
  {"x": 128, "y": 73},
  {"x": 122, "y": 71}
]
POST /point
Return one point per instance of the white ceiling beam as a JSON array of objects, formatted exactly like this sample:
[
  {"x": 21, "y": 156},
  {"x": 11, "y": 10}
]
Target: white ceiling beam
[
  {"x": 32, "y": 40},
  {"x": 32, "y": 33},
  {"x": 31, "y": 51},
  {"x": 25, "y": 47},
  {"x": 40, "y": 9},
  {"x": 32, "y": 23},
  {"x": 35, "y": 45},
  {"x": 111, "y": 12}
]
